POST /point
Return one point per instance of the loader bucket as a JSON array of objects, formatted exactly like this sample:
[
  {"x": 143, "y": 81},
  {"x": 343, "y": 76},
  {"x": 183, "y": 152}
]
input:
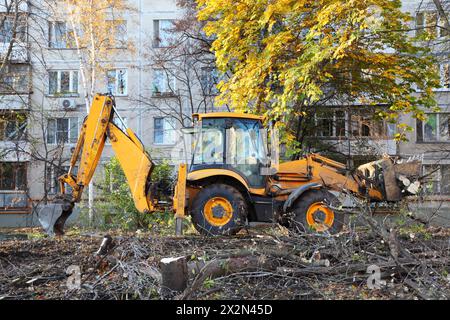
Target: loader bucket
[
  {"x": 397, "y": 180},
  {"x": 52, "y": 217}
]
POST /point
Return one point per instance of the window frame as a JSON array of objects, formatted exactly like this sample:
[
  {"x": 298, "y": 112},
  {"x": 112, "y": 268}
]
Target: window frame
[
  {"x": 72, "y": 83},
  {"x": 436, "y": 181},
  {"x": 71, "y": 140},
  {"x": 6, "y": 35},
  {"x": 20, "y": 126},
  {"x": 66, "y": 43},
  {"x": 209, "y": 80},
  {"x": 17, "y": 73},
  {"x": 444, "y": 72},
  {"x": 113, "y": 26},
  {"x": 166, "y": 78},
  {"x": 53, "y": 175},
  {"x": 378, "y": 132},
  {"x": 334, "y": 134},
  {"x": 164, "y": 129},
  {"x": 421, "y": 138},
  {"x": 157, "y": 41},
  {"x": 16, "y": 166},
  {"x": 116, "y": 83},
  {"x": 422, "y": 24}
]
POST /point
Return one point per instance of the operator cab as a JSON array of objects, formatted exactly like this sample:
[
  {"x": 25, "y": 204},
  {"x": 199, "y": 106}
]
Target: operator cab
[{"x": 231, "y": 141}]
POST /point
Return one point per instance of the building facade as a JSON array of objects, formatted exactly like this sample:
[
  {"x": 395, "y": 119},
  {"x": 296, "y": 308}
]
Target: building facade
[{"x": 430, "y": 141}]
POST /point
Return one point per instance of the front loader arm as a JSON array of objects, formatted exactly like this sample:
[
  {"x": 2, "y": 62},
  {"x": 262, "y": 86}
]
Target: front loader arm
[
  {"x": 377, "y": 181},
  {"x": 335, "y": 176},
  {"x": 129, "y": 150}
]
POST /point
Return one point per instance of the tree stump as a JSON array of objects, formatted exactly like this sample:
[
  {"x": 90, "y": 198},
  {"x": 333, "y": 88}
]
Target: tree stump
[{"x": 174, "y": 274}]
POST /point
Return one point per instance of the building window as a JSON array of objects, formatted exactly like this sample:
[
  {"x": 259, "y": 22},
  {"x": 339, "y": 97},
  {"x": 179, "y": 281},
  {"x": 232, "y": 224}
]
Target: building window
[
  {"x": 444, "y": 73},
  {"x": 324, "y": 124},
  {"x": 427, "y": 21},
  {"x": 60, "y": 36},
  {"x": 62, "y": 130},
  {"x": 119, "y": 33},
  {"x": 437, "y": 179},
  {"x": 432, "y": 23},
  {"x": 13, "y": 176},
  {"x": 163, "y": 33},
  {"x": 339, "y": 124},
  {"x": 12, "y": 126},
  {"x": 15, "y": 79},
  {"x": 117, "y": 81},
  {"x": 7, "y": 29},
  {"x": 443, "y": 31},
  {"x": 329, "y": 123},
  {"x": 334, "y": 123},
  {"x": 164, "y": 130},
  {"x": 363, "y": 125},
  {"x": 63, "y": 82},
  {"x": 163, "y": 82},
  {"x": 209, "y": 81},
  {"x": 434, "y": 129}
]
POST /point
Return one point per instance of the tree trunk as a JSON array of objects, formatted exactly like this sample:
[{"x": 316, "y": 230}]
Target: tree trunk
[
  {"x": 442, "y": 14},
  {"x": 174, "y": 273}
]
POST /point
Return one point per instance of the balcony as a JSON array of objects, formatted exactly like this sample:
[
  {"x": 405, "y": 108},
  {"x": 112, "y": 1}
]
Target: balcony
[
  {"x": 23, "y": 6},
  {"x": 14, "y": 202},
  {"x": 14, "y": 102},
  {"x": 362, "y": 146},
  {"x": 15, "y": 151},
  {"x": 19, "y": 53}
]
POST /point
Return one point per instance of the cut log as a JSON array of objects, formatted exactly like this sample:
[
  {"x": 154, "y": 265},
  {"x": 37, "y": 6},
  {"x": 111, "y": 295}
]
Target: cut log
[
  {"x": 222, "y": 267},
  {"x": 174, "y": 275}
]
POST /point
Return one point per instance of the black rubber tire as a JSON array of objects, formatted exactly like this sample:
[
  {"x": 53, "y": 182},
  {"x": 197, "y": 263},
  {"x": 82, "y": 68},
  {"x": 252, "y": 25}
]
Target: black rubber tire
[
  {"x": 310, "y": 197},
  {"x": 228, "y": 192}
]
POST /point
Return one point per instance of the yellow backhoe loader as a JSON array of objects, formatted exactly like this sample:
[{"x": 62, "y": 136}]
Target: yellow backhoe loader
[{"x": 233, "y": 178}]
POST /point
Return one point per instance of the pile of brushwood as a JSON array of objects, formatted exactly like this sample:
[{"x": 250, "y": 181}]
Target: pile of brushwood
[{"x": 373, "y": 262}]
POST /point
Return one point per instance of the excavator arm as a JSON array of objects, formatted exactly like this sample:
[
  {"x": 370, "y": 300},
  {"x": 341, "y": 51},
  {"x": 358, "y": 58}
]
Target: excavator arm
[{"x": 129, "y": 150}]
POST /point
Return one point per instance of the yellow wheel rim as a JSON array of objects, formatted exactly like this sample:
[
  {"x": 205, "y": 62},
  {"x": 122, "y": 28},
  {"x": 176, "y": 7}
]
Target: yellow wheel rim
[
  {"x": 319, "y": 217},
  {"x": 218, "y": 211}
]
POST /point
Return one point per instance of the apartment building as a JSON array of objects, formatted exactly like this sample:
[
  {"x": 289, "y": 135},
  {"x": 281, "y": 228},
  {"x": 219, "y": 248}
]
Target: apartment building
[
  {"x": 430, "y": 139},
  {"x": 14, "y": 110},
  {"x": 350, "y": 134},
  {"x": 151, "y": 97}
]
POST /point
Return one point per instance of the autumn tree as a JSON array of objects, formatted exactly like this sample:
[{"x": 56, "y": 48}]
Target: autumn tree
[
  {"x": 96, "y": 29},
  {"x": 12, "y": 29},
  {"x": 98, "y": 33},
  {"x": 286, "y": 57}
]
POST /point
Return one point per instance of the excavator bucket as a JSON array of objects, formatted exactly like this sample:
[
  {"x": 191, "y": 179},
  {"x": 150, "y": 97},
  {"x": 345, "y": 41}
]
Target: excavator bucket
[
  {"x": 53, "y": 217},
  {"x": 48, "y": 215},
  {"x": 129, "y": 150}
]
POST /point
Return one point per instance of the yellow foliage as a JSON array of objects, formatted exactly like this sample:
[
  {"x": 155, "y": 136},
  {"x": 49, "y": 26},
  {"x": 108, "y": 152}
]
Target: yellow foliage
[{"x": 283, "y": 54}]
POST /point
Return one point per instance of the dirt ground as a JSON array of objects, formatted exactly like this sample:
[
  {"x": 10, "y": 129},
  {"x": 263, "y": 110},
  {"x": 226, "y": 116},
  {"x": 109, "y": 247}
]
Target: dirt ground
[{"x": 413, "y": 264}]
